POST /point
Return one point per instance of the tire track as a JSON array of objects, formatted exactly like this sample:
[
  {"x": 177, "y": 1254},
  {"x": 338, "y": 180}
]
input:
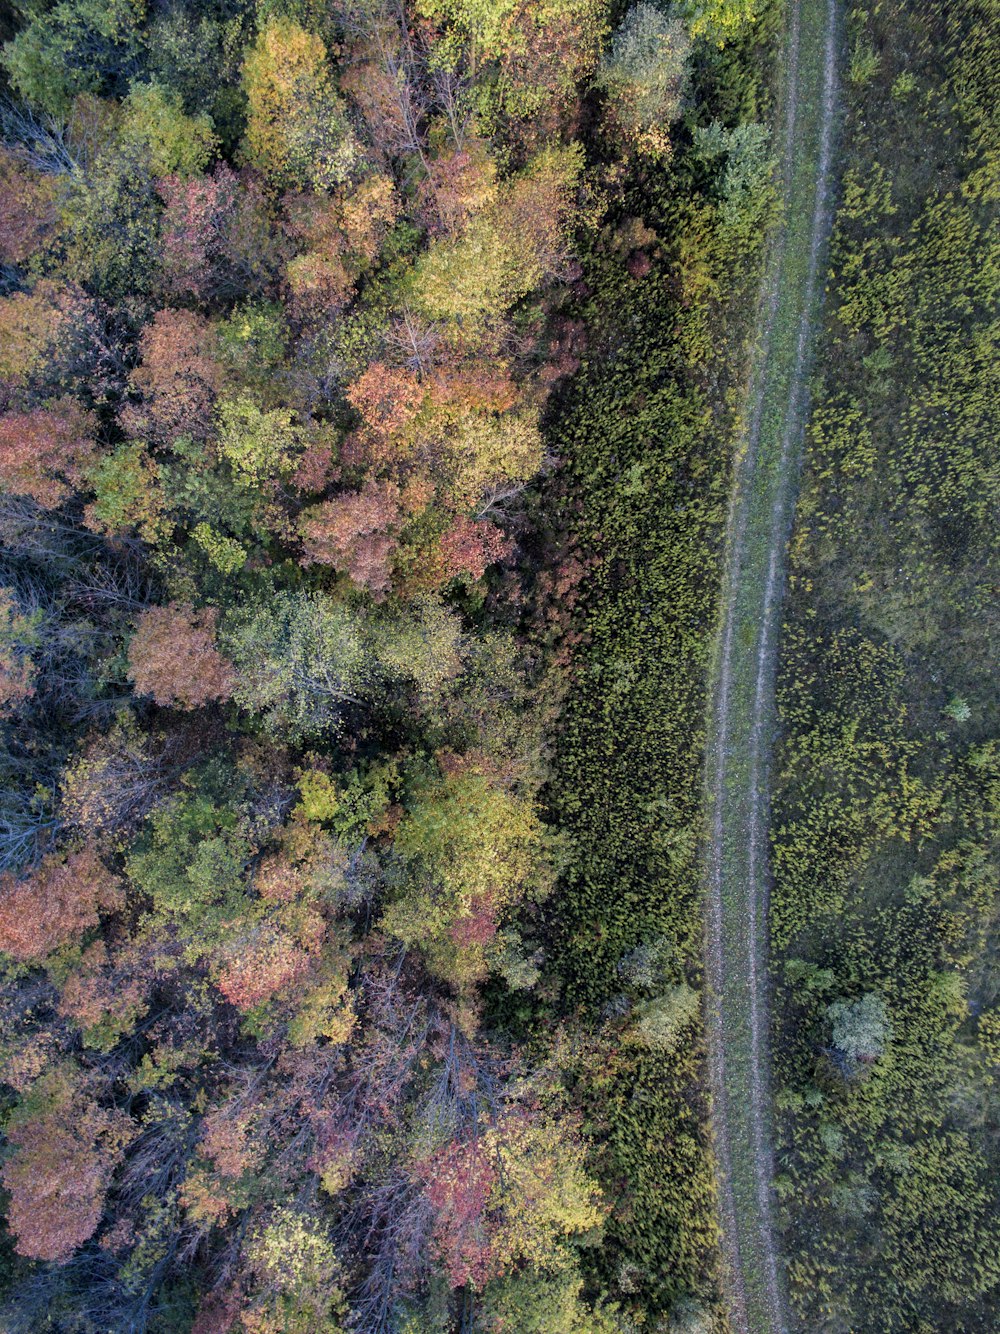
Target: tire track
[{"x": 741, "y": 723}]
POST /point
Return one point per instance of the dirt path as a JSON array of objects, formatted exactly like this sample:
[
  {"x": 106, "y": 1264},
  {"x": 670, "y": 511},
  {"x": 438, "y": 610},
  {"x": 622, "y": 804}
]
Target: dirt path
[{"x": 741, "y": 723}]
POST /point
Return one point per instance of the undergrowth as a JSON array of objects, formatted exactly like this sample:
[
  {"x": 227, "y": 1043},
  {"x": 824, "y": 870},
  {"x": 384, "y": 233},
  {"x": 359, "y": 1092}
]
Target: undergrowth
[{"x": 644, "y": 437}]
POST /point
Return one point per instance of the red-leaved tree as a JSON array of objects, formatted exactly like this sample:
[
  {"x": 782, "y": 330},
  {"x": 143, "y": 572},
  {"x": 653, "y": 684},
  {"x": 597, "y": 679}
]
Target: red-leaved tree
[
  {"x": 66, "y": 1149},
  {"x": 44, "y": 452},
  {"x": 457, "y": 1181},
  {"x": 173, "y": 657},
  {"x": 469, "y": 547},
  {"x": 55, "y": 903},
  {"x": 217, "y": 234}
]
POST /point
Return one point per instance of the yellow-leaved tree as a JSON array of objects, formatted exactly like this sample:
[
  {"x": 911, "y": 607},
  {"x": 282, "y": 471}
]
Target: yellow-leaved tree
[
  {"x": 297, "y": 135},
  {"x": 474, "y": 850}
]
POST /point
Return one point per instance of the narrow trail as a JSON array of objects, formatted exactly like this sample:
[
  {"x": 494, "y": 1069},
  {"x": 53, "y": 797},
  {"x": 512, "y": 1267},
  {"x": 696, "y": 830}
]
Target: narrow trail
[{"x": 742, "y": 717}]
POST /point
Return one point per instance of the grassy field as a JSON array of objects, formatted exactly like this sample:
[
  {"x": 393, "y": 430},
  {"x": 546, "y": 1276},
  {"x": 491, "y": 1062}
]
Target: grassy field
[
  {"x": 742, "y": 717},
  {"x": 885, "y": 910}
]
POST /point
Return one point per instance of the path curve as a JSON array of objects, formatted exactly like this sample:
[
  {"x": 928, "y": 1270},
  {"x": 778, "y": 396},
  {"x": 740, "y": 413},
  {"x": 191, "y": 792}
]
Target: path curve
[{"x": 742, "y": 713}]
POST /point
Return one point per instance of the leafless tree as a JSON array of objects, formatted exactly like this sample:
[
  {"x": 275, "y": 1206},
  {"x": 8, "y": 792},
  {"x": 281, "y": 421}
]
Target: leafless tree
[{"x": 39, "y": 140}]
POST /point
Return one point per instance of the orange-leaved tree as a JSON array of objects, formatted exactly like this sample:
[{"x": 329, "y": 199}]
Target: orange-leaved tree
[
  {"x": 355, "y": 533},
  {"x": 178, "y": 379},
  {"x": 27, "y": 209}
]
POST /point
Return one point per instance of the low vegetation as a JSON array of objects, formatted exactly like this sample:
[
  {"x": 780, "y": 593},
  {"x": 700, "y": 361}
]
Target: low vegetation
[
  {"x": 645, "y": 432},
  {"x": 885, "y": 907}
]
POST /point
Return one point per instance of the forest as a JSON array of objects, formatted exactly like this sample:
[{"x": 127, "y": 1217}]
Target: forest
[
  {"x": 365, "y": 372},
  {"x": 372, "y": 381}
]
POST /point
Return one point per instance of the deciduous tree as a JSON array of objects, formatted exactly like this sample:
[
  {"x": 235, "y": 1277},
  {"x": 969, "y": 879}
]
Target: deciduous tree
[
  {"x": 173, "y": 657},
  {"x": 469, "y": 547},
  {"x": 297, "y": 134},
  {"x": 296, "y": 1288},
  {"x": 300, "y": 661},
  {"x": 861, "y": 1030},
  {"x": 474, "y": 850},
  {"x": 55, "y": 903},
  {"x": 27, "y": 209},
  {"x": 458, "y": 1179},
  {"x": 218, "y": 241},
  {"x": 104, "y": 1001},
  {"x": 260, "y": 445},
  {"x": 508, "y": 248},
  {"x": 538, "y": 1302},
  {"x": 50, "y": 340},
  {"x": 645, "y": 74},
  {"x": 74, "y": 46},
  {"x": 719, "y": 20},
  {"x": 128, "y": 496},
  {"x": 110, "y": 226},
  {"x": 543, "y": 1194},
  {"x": 44, "y": 453},
  {"x": 526, "y": 58},
  {"x": 191, "y": 861},
  {"x": 387, "y": 398},
  {"x": 340, "y": 236},
  {"x": 19, "y": 635},
  {"x": 116, "y": 777},
  {"x": 255, "y": 971},
  {"x": 355, "y": 533},
  {"x": 423, "y": 643},
  {"x": 178, "y": 379},
  {"x": 176, "y": 144},
  {"x": 66, "y": 1148}
]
